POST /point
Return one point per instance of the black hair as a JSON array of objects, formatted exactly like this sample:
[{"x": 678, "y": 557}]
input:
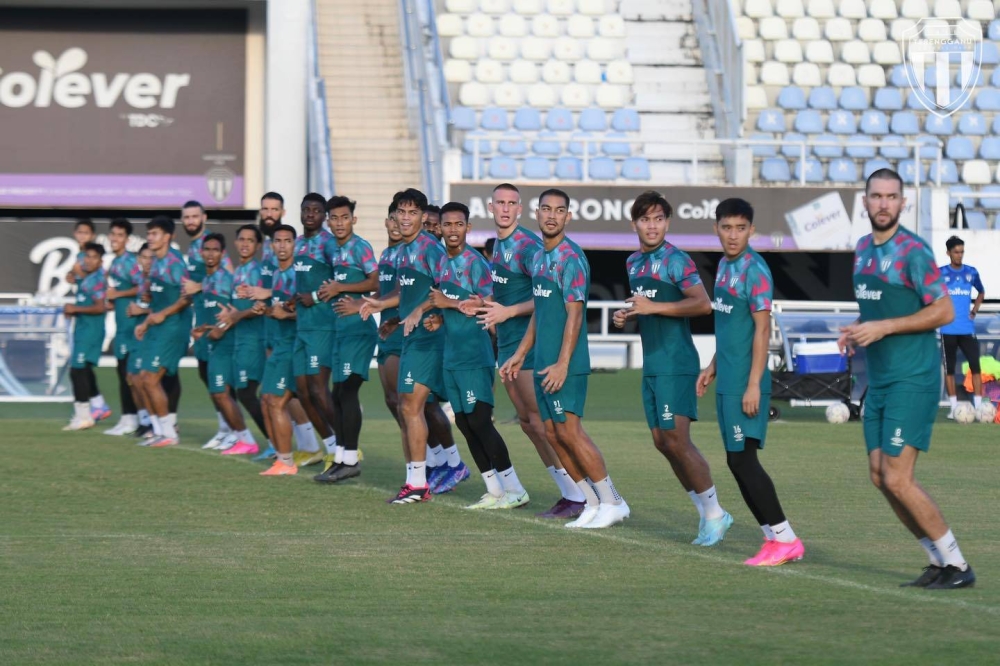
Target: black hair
[
  {"x": 143, "y": 247},
  {"x": 734, "y": 208},
  {"x": 121, "y": 223},
  {"x": 161, "y": 222},
  {"x": 413, "y": 196},
  {"x": 285, "y": 227},
  {"x": 647, "y": 201},
  {"x": 193, "y": 204},
  {"x": 94, "y": 247},
  {"x": 274, "y": 195},
  {"x": 507, "y": 186},
  {"x": 313, "y": 197},
  {"x": 85, "y": 222},
  {"x": 216, "y": 236},
  {"x": 455, "y": 206},
  {"x": 392, "y": 207},
  {"x": 884, "y": 174},
  {"x": 553, "y": 192},
  {"x": 340, "y": 202},
  {"x": 953, "y": 242},
  {"x": 431, "y": 208},
  {"x": 256, "y": 232}
]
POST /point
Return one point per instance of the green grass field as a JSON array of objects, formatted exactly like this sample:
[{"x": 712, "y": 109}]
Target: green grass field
[{"x": 114, "y": 553}]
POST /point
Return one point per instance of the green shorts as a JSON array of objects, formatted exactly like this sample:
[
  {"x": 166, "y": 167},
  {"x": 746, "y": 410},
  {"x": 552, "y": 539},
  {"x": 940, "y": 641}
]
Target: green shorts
[
  {"x": 464, "y": 388},
  {"x": 200, "y": 348},
  {"x": 312, "y": 352},
  {"x": 666, "y": 396},
  {"x": 572, "y": 398},
  {"x": 135, "y": 357},
  {"x": 898, "y": 419},
  {"x": 122, "y": 343},
  {"x": 421, "y": 366},
  {"x": 352, "y": 355},
  {"x": 279, "y": 373},
  {"x": 504, "y": 354},
  {"x": 391, "y": 346},
  {"x": 248, "y": 363},
  {"x": 221, "y": 372},
  {"x": 162, "y": 350},
  {"x": 736, "y": 426},
  {"x": 86, "y": 351}
]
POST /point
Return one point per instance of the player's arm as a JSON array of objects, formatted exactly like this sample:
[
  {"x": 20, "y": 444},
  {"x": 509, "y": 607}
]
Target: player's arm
[
  {"x": 934, "y": 316},
  {"x": 157, "y": 318},
  {"x": 374, "y": 304},
  {"x": 512, "y": 367},
  {"x": 492, "y": 313},
  {"x": 694, "y": 304},
  {"x": 97, "y": 308},
  {"x": 122, "y": 293},
  {"x": 705, "y": 377},
  {"x": 980, "y": 296},
  {"x": 414, "y": 318},
  {"x": 437, "y": 299},
  {"x": 758, "y": 361},
  {"x": 366, "y": 286}
]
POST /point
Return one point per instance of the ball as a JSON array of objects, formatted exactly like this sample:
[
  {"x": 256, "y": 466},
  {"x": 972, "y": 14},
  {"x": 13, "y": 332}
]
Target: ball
[
  {"x": 987, "y": 413},
  {"x": 965, "y": 413},
  {"x": 838, "y": 413}
]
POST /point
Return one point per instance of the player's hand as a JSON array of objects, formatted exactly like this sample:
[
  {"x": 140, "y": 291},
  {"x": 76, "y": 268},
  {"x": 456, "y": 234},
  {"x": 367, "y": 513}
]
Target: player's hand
[
  {"x": 135, "y": 310},
  {"x": 328, "y": 290},
  {"x": 433, "y": 322},
  {"x": 197, "y": 333},
  {"x": 69, "y": 309},
  {"x": 751, "y": 401},
  {"x": 492, "y": 313},
  {"x": 411, "y": 322},
  {"x": 554, "y": 377},
  {"x": 438, "y": 299},
  {"x": 866, "y": 333},
  {"x": 346, "y": 307},
  {"x": 140, "y": 331},
  {"x": 216, "y": 332},
  {"x": 259, "y": 308},
  {"x": 387, "y": 328},
  {"x": 972, "y": 314},
  {"x": 305, "y": 299},
  {"x": 619, "y": 318},
  {"x": 71, "y": 277},
  {"x": 226, "y": 315},
  {"x": 111, "y": 294},
  {"x": 190, "y": 287},
  {"x": 510, "y": 369},
  {"x": 705, "y": 377},
  {"x": 370, "y": 306},
  {"x": 155, "y": 319},
  {"x": 640, "y": 305},
  {"x": 844, "y": 344},
  {"x": 253, "y": 292},
  {"x": 280, "y": 312},
  {"x": 470, "y": 306}
]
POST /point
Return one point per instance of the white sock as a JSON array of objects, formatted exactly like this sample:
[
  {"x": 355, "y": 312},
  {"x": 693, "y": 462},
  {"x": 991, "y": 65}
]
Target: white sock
[
  {"x": 338, "y": 454},
  {"x": 287, "y": 459},
  {"x": 492, "y": 481},
  {"x": 246, "y": 436},
  {"x": 305, "y": 437},
  {"x": 436, "y": 456},
  {"x": 130, "y": 420},
  {"x": 419, "y": 471},
  {"x": 977, "y": 402},
  {"x": 144, "y": 417},
  {"x": 510, "y": 482},
  {"x": 223, "y": 426},
  {"x": 589, "y": 494},
  {"x": 607, "y": 492},
  {"x": 452, "y": 455},
  {"x": 783, "y": 532},
  {"x": 570, "y": 490},
  {"x": 154, "y": 421},
  {"x": 350, "y": 457},
  {"x": 409, "y": 474},
  {"x": 697, "y": 503},
  {"x": 169, "y": 431},
  {"x": 173, "y": 418},
  {"x": 97, "y": 402},
  {"x": 710, "y": 504},
  {"x": 947, "y": 548},
  {"x": 768, "y": 532},
  {"x": 953, "y": 399},
  {"x": 81, "y": 411},
  {"x": 931, "y": 550},
  {"x": 330, "y": 444}
]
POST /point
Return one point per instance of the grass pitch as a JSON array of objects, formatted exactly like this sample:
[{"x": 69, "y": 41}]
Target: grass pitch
[{"x": 114, "y": 553}]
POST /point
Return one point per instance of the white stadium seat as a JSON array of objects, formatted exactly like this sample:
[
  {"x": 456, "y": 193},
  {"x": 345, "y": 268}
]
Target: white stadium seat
[
  {"x": 569, "y": 49},
  {"x": 898, "y": 27},
  {"x": 746, "y": 27},
  {"x": 855, "y": 53},
  {"x": 460, "y": 6},
  {"x": 753, "y": 50},
  {"x": 523, "y": 71},
  {"x": 528, "y": 7},
  {"x": 561, "y": 7},
  {"x": 556, "y": 71},
  {"x": 788, "y": 50},
  {"x": 494, "y": 6},
  {"x": 591, "y": 7},
  {"x": 611, "y": 25},
  {"x": 806, "y": 29},
  {"x": 542, "y": 96},
  {"x": 619, "y": 72},
  {"x": 756, "y": 98},
  {"x": 611, "y": 97},
  {"x": 474, "y": 94},
  {"x": 981, "y": 10},
  {"x": 839, "y": 30},
  {"x": 489, "y": 71},
  {"x": 479, "y": 25},
  {"x": 883, "y": 9},
  {"x": 450, "y": 25},
  {"x": 915, "y": 9},
  {"x": 887, "y": 53},
  {"x": 604, "y": 50},
  {"x": 774, "y": 73},
  {"x": 976, "y": 172},
  {"x": 871, "y": 30},
  {"x": 947, "y": 9},
  {"x": 508, "y": 95},
  {"x": 536, "y": 49},
  {"x": 841, "y": 74},
  {"x": 464, "y": 48},
  {"x": 821, "y": 9},
  {"x": 457, "y": 71},
  {"x": 580, "y": 27},
  {"x": 575, "y": 96},
  {"x": 820, "y": 51},
  {"x": 773, "y": 28},
  {"x": 750, "y": 74},
  {"x": 513, "y": 25},
  {"x": 806, "y": 75},
  {"x": 502, "y": 48},
  {"x": 758, "y": 8},
  {"x": 587, "y": 71},
  {"x": 852, "y": 9},
  {"x": 545, "y": 25},
  {"x": 871, "y": 76},
  {"x": 790, "y": 8}
]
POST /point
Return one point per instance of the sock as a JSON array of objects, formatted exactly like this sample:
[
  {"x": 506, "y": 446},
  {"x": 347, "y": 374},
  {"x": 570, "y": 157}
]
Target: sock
[
  {"x": 710, "y": 504},
  {"x": 570, "y": 490},
  {"x": 223, "y": 426},
  {"x": 947, "y": 548},
  {"x": 607, "y": 492},
  {"x": 144, "y": 417},
  {"x": 977, "y": 402},
  {"x": 305, "y": 437},
  {"x": 953, "y": 399},
  {"x": 697, "y": 503},
  {"x": 783, "y": 532},
  {"x": 419, "y": 470},
  {"x": 286, "y": 459},
  {"x": 768, "y": 532},
  {"x": 437, "y": 456},
  {"x": 97, "y": 402},
  {"x": 492, "y": 481},
  {"x": 169, "y": 431},
  {"x": 330, "y": 444},
  {"x": 81, "y": 411},
  {"x": 350, "y": 457},
  {"x": 452, "y": 455},
  {"x": 154, "y": 421},
  {"x": 246, "y": 436},
  {"x": 932, "y": 553},
  {"x": 338, "y": 454},
  {"x": 589, "y": 494},
  {"x": 173, "y": 419},
  {"x": 409, "y": 474},
  {"x": 510, "y": 482}
]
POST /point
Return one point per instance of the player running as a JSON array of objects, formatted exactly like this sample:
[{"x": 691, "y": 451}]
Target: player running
[
  {"x": 960, "y": 279},
  {"x": 666, "y": 291},
  {"x": 88, "y": 313},
  {"x": 124, "y": 278},
  {"x": 902, "y": 300},
  {"x": 743, "y": 294},
  {"x": 561, "y": 279}
]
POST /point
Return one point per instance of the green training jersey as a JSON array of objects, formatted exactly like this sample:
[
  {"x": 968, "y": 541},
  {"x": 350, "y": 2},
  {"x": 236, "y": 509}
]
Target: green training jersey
[
  {"x": 217, "y": 289},
  {"x": 352, "y": 263},
  {"x": 511, "y": 274},
  {"x": 312, "y": 262},
  {"x": 560, "y": 276},
  {"x": 467, "y": 344},
  {"x": 743, "y": 286},
  {"x": 124, "y": 274},
  {"x": 282, "y": 291},
  {"x": 249, "y": 331},
  {"x": 165, "y": 277},
  {"x": 416, "y": 269},
  {"x": 92, "y": 289}
]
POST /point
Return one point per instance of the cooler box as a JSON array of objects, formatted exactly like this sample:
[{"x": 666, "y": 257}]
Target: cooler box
[{"x": 814, "y": 357}]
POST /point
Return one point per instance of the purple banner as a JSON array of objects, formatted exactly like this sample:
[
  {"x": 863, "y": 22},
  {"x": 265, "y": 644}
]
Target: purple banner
[{"x": 119, "y": 190}]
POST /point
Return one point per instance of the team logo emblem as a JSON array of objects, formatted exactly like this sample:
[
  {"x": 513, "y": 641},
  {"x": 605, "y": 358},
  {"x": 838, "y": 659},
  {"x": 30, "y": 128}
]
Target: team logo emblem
[
  {"x": 737, "y": 433},
  {"x": 655, "y": 267},
  {"x": 733, "y": 281},
  {"x": 897, "y": 437},
  {"x": 886, "y": 264},
  {"x": 409, "y": 379},
  {"x": 220, "y": 182},
  {"x": 667, "y": 415},
  {"x": 470, "y": 397},
  {"x": 507, "y": 256},
  {"x": 947, "y": 48}
]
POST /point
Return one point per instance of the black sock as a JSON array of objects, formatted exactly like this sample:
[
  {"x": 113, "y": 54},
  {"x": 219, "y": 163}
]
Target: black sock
[
  {"x": 172, "y": 387},
  {"x": 247, "y": 397},
  {"x": 203, "y": 372},
  {"x": 124, "y": 390},
  {"x": 348, "y": 406},
  {"x": 759, "y": 487},
  {"x": 481, "y": 422},
  {"x": 81, "y": 385}
]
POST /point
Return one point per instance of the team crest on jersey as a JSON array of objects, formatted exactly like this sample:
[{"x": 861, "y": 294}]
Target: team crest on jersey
[
  {"x": 733, "y": 281},
  {"x": 886, "y": 264},
  {"x": 655, "y": 267},
  {"x": 507, "y": 256},
  {"x": 968, "y": 278}
]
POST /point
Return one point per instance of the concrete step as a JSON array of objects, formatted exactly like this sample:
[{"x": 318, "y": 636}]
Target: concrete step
[
  {"x": 655, "y": 10},
  {"x": 680, "y": 173}
]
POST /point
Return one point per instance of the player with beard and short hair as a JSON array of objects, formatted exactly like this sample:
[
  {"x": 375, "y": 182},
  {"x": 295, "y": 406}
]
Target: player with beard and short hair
[
  {"x": 124, "y": 278},
  {"x": 88, "y": 312},
  {"x": 510, "y": 314},
  {"x": 902, "y": 300}
]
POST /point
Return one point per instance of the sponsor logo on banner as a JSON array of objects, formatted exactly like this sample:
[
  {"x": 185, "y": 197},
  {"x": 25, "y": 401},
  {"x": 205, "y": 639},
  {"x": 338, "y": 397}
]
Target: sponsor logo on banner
[
  {"x": 946, "y": 48},
  {"x": 822, "y": 224}
]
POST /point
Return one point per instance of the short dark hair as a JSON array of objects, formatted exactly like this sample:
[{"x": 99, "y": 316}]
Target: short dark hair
[
  {"x": 216, "y": 236},
  {"x": 392, "y": 208},
  {"x": 953, "y": 242},
  {"x": 647, "y": 201},
  {"x": 121, "y": 223},
  {"x": 314, "y": 197},
  {"x": 413, "y": 196},
  {"x": 94, "y": 247},
  {"x": 455, "y": 207},
  {"x": 256, "y": 232},
  {"x": 884, "y": 174},
  {"x": 285, "y": 227},
  {"x": 143, "y": 248},
  {"x": 340, "y": 202},
  {"x": 431, "y": 208},
  {"x": 553, "y": 192},
  {"x": 734, "y": 208},
  {"x": 274, "y": 195},
  {"x": 85, "y": 222},
  {"x": 163, "y": 223},
  {"x": 507, "y": 186},
  {"x": 193, "y": 204}
]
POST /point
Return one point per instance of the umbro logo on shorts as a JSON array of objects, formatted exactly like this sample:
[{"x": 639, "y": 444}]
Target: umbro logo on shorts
[{"x": 737, "y": 433}]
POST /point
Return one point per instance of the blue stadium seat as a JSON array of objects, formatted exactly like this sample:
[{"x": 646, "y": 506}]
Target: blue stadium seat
[
  {"x": 602, "y": 168},
  {"x": 853, "y": 98},
  {"x": 775, "y": 170},
  {"x": 470, "y": 141},
  {"x": 898, "y": 77},
  {"x": 493, "y": 118},
  {"x": 989, "y": 148},
  {"x": 625, "y": 120},
  {"x": 913, "y": 102},
  {"x": 930, "y": 77},
  {"x": 993, "y": 203},
  {"x": 949, "y": 172},
  {"x": 576, "y": 147},
  {"x": 993, "y": 32},
  {"x": 569, "y": 168},
  {"x": 959, "y": 148},
  {"x": 827, "y": 151},
  {"x": 909, "y": 170},
  {"x": 957, "y": 189},
  {"x": 467, "y": 163},
  {"x": 762, "y": 150},
  {"x": 814, "y": 171},
  {"x": 513, "y": 144},
  {"x": 843, "y": 170},
  {"x": 635, "y": 168},
  {"x": 988, "y": 99},
  {"x": 996, "y": 124},
  {"x": 893, "y": 148},
  {"x": 939, "y": 125},
  {"x": 873, "y": 165},
  {"x": 905, "y": 122},
  {"x": 874, "y": 122},
  {"x": 842, "y": 122},
  {"x": 771, "y": 120},
  {"x": 546, "y": 144},
  {"x": 503, "y": 168},
  {"x": 860, "y": 147},
  {"x": 463, "y": 118},
  {"x": 973, "y": 123},
  {"x": 987, "y": 53},
  {"x": 593, "y": 120},
  {"x": 980, "y": 79},
  {"x": 792, "y": 98},
  {"x": 928, "y": 149},
  {"x": 616, "y": 148},
  {"x": 823, "y": 98},
  {"x": 995, "y": 78},
  {"x": 976, "y": 220},
  {"x": 809, "y": 121},
  {"x": 794, "y": 148},
  {"x": 888, "y": 99},
  {"x": 527, "y": 119},
  {"x": 537, "y": 168},
  {"x": 559, "y": 120}
]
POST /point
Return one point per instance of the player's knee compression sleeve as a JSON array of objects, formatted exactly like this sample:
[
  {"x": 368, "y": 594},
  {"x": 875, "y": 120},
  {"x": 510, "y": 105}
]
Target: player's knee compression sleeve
[
  {"x": 757, "y": 483},
  {"x": 475, "y": 446},
  {"x": 81, "y": 384},
  {"x": 124, "y": 390},
  {"x": 248, "y": 398},
  {"x": 349, "y": 411},
  {"x": 172, "y": 387},
  {"x": 481, "y": 421}
]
